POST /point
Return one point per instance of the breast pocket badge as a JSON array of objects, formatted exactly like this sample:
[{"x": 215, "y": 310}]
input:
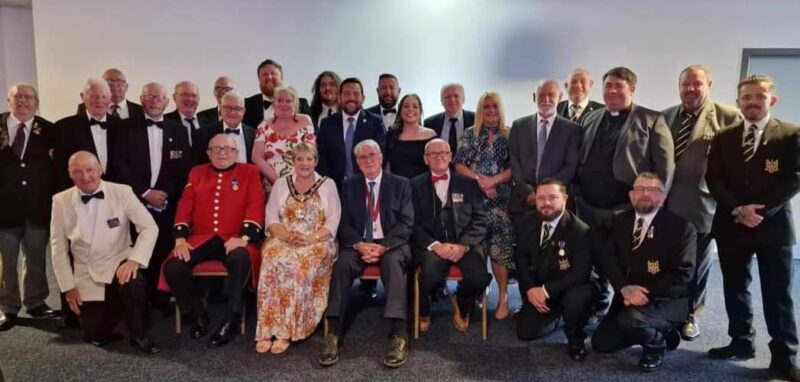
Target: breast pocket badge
[
  {"x": 653, "y": 267},
  {"x": 458, "y": 198},
  {"x": 113, "y": 222},
  {"x": 175, "y": 154},
  {"x": 771, "y": 166}
]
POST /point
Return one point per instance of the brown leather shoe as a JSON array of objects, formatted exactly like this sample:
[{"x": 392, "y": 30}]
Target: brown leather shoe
[
  {"x": 425, "y": 323},
  {"x": 461, "y": 323}
]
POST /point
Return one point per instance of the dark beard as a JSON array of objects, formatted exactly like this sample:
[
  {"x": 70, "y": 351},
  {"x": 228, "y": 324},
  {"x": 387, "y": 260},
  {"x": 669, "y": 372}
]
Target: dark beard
[{"x": 545, "y": 218}]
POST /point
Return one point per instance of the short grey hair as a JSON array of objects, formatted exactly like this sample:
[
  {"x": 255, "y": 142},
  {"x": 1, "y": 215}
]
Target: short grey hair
[
  {"x": 94, "y": 81},
  {"x": 542, "y": 83},
  {"x": 233, "y": 94},
  {"x": 367, "y": 143},
  {"x": 19, "y": 85}
]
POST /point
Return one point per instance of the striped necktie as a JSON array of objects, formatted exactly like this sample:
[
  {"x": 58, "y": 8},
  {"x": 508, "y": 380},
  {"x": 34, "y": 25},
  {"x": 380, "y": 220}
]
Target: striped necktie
[
  {"x": 749, "y": 144},
  {"x": 684, "y": 133},
  {"x": 637, "y": 234}
]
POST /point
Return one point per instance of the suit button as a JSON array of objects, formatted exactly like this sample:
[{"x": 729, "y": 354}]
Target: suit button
[
  {"x": 219, "y": 187},
  {"x": 216, "y": 194},
  {"x": 24, "y": 183},
  {"x": 216, "y": 201},
  {"x": 216, "y": 208},
  {"x": 216, "y": 222},
  {"x": 216, "y": 214},
  {"x": 22, "y": 165},
  {"x": 219, "y": 175},
  {"x": 216, "y": 229},
  {"x": 219, "y": 180}
]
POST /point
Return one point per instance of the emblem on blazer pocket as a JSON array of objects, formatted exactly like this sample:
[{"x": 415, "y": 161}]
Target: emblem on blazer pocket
[
  {"x": 653, "y": 267},
  {"x": 771, "y": 166},
  {"x": 175, "y": 154},
  {"x": 563, "y": 263},
  {"x": 458, "y": 198}
]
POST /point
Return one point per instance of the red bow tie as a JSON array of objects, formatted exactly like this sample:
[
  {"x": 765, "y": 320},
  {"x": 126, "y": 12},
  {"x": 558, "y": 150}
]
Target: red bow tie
[{"x": 436, "y": 178}]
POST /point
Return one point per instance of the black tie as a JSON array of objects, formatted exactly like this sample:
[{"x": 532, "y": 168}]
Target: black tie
[
  {"x": 330, "y": 112},
  {"x": 115, "y": 110},
  {"x": 389, "y": 111},
  {"x": 190, "y": 121},
  {"x": 159, "y": 124},
  {"x": 546, "y": 235},
  {"x": 86, "y": 198},
  {"x": 267, "y": 104},
  {"x": 19, "y": 140},
  {"x": 684, "y": 133},
  {"x": 103, "y": 125},
  {"x": 232, "y": 131},
  {"x": 750, "y": 143},
  {"x": 637, "y": 234},
  {"x": 452, "y": 136}
]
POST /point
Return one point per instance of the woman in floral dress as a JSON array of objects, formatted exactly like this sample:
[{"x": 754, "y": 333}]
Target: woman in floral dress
[{"x": 302, "y": 216}]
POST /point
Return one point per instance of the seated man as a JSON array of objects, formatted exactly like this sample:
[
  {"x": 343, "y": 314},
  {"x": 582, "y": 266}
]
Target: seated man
[
  {"x": 554, "y": 258},
  {"x": 219, "y": 217},
  {"x": 377, "y": 216},
  {"x": 91, "y": 222},
  {"x": 449, "y": 227},
  {"x": 649, "y": 262}
]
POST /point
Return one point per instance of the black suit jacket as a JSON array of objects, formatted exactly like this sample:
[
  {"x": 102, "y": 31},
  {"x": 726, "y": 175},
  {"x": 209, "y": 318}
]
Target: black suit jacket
[
  {"x": 210, "y": 114},
  {"x": 175, "y": 161},
  {"x": 437, "y": 121},
  {"x": 469, "y": 215},
  {"x": 771, "y": 178},
  {"x": 134, "y": 110},
  {"x": 663, "y": 263},
  {"x": 26, "y": 186},
  {"x": 396, "y": 211},
  {"x": 73, "y": 134},
  {"x": 254, "y": 109},
  {"x": 537, "y": 267},
  {"x": 217, "y": 128},
  {"x": 199, "y": 137},
  {"x": 330, "y": 142},
  {"x": 563, "y": 110}
]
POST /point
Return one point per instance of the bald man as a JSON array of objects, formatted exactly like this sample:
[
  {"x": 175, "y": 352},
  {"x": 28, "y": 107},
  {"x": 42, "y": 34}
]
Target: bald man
[
  {"x": 119, "y": 107},
  {"x": 222, "y": 85},
  {"x": 577, "y": 104},
  {"x": 160, "y": 160},
  {"x": 95, "y": 264},
  {"x": 187, "y": 97}
]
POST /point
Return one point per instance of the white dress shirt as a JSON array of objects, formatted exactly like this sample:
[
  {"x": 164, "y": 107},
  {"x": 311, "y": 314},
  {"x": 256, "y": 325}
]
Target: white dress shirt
[
  {"x": 241, "y": 152},
  {"x": 553, "y": 224},
  {"x": 388, "y": 119},
  {"x": 549, "y": 127},
  {"x": 123, "y": 111},
  {"x": 582, "y": 105},
  {"x": 13, "y": 124},
  {"x": 100, "y": 138},
  {"x": 345, "y": 116},
  {"x": 326, "y": 110},
  {"x": 155, "y": 143},
  {"x": 87, "y": 214},
  {"x": 648, "y": 219},
  {"x": 760, "y": 126},
  {"x": 270, "y": 111},
  {"x": 189, "y": 127}
]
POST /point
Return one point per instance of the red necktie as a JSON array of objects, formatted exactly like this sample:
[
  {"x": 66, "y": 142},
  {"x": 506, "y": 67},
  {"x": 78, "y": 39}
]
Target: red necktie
[{"x": 436, "y": 178}]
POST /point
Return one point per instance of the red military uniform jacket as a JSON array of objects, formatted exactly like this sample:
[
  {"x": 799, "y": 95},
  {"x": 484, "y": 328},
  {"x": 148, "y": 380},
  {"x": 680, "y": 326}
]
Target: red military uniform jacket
[{"x": 226, "y": 203}]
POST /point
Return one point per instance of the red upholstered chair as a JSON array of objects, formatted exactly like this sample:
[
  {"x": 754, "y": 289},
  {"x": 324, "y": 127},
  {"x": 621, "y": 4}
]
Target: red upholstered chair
[
  {"x": 454, "y": 274},
  {"x": 370, "y": 272},
  {"x": 211, "y": 268}
]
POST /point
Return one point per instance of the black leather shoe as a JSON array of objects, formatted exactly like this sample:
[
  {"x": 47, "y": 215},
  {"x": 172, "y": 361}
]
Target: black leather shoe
[
  {"x": 105, "y": 340},
  {"x": 224, "y": 334},
  {"x": 577, "y": 350},
  {"x": 44, "y": 311},
  {"x": 742, "y": 350},
  {"x": 673, "y": 339},
  {"x": 199, "y": 327},
  {"x": 651, "y": 360},
  {"x": 145, "y": 344},
  {"x": 330, "y": 350},
  {"x": 787, "y": 373},
  {"x": 397, "y": 354},
  {"x": 7, "y": 321}
]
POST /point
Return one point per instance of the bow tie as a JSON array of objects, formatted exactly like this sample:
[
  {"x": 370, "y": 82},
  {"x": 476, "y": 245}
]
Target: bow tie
[
  {"x": 267, "y": 104},
  {"x": 232, "y": 131},
  {"x": 103, "y": 125},
  {"x": 436, "y": 178},
  {"x": 86, "y": 198},
  {"x": 388, "y": 111},
  {"x": 159, "y": 124}
]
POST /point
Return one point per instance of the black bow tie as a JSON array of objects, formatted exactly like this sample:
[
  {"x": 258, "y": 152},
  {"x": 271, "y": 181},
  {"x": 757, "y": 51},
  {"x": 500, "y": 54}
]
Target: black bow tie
[
  {"x": 387, "y": 111},
  {"x": 86, "y": 198},
  {"x": 267, "y": 104},
  {"x": 103, "y": 125},
  {"x": 232, "y": 131},
  {"x": 159, "y": 124}
]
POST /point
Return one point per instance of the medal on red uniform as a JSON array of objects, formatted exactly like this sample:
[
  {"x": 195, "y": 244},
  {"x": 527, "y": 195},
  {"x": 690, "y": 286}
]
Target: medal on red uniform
[{"x": 235, "y": 184}]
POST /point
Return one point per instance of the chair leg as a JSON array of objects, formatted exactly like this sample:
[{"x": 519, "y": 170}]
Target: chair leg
[
  {"x": 244, "y": 317},
  {"x": 177, "y": 319},
  {"x": 484, "y": 316},
  {"x": 416, "y": 305},
  {"x": 325, "y": 327}
]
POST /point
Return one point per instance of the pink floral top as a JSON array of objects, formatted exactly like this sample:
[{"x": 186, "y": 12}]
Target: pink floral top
[{"x": 277, "y": 147}]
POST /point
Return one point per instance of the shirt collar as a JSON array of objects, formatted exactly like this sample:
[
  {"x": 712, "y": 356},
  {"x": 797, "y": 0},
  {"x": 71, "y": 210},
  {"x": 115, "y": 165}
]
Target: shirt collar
[
  {"x": 760, "y": 125},
  {"x": 355, "y": 116},
  {"x": 582, "y": 104},
  {"x": 648, "y": 218},
  {"x": 15, "y": 122},
  {"x": 377, "y": 179},
  {"x": 238, "y": 127},
  {"x": 554, "y": 223},
  {"x": 549, "y": 120},
  {"x": 185, "y": 117},
  {"x": 459, "y": 116}
]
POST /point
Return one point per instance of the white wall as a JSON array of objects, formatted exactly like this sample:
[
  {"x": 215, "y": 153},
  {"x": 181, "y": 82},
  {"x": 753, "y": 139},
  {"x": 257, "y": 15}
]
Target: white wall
[
  {"x": 17, "y": 54},
  {"x": 503, "y": 45}
]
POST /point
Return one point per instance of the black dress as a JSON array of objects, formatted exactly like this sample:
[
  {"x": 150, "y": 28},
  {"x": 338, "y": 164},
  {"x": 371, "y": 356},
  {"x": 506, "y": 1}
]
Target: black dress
[{"x": 405, "y": 158}]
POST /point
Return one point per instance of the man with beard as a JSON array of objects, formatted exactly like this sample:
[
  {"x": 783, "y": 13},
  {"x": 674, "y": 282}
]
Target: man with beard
[
  {"x": 649, "y": 260},
  {"x": 388, "y": 93},
  {"x": 259, "y": 106},
  {"x": 693, "y": 124},
  {"x": 578, "y": 105},
  {"x": 325, "y": 101},
  {"x": 753, "y": 175},
  {"x": 187, "y": 97},
  {"x": 222, "y": 85},
  {"x": 339, "y": 133},
  {"x": 454, "y": 120},
  {"x": 554, "y": 259}
]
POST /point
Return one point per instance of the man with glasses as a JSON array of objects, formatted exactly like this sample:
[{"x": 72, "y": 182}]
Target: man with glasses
[
  {"x": 159, "y": 160},
  {"x": 449, "y": 228},
  {"x": 233, "y": 110},
  {"x": 377, "y": 217},
  {"x": 649, "y": 260},
  {"x": 222, "y": 85},
  {"x": 187, "y": 97},
  {"x": 219, "y": 217},
  {"x": 119, "y": 107}
]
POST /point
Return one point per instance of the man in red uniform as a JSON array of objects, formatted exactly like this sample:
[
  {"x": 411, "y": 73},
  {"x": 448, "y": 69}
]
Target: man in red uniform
[{"x": 219, "y": 217}]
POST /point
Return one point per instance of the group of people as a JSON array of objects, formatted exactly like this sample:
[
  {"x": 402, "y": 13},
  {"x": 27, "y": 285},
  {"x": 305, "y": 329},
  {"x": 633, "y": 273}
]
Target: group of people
[{"x": 296, "y": 200}]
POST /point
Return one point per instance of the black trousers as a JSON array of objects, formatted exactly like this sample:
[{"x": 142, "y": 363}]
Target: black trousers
[
  {"x": 699, "y": 284},
  {"x": 394, "y": 275},
  {"x": 434, "y": 272},
  {"x": 775, "y": 273},
  {"x": 126, "y": 302},
  {"x": 179, "y": 276},
  {"x": 627, "y": 326},
  {"x": 164, "y": 245},
  {"x": 575, "y": 305}
]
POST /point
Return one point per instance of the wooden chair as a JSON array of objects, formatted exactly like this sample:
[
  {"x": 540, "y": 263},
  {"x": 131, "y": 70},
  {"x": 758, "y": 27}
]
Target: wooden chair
[{"x": 211, "y": 268}]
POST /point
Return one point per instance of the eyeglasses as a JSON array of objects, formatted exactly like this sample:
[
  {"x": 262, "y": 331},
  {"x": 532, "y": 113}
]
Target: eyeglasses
[
  {"x": 367, "y": 157},
  {"x": 154, "y": 98},
  {"x": 116, "y": 82},
  {"x": 222, "y": 150},
  {"x": 26, "y": 97},
  {"x": 222, "y": 89},
  {"x": 233, "y": 109},
  {"x": 651, "y": 190},
  {"x": 438, "y": 154}
]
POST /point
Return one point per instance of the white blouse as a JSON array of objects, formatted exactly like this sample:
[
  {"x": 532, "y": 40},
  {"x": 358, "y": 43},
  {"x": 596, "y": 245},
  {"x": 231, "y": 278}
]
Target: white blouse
[{"x": 327, "y": 192}]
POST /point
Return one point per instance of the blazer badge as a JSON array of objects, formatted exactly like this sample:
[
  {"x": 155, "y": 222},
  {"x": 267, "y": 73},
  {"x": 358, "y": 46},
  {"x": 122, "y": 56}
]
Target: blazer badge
[
  {"x": 563, "y": 263},
  {"x": 458, "y": 198},
  {"x": 653, "y": 267},
  {"x": 771, "y": 166}
]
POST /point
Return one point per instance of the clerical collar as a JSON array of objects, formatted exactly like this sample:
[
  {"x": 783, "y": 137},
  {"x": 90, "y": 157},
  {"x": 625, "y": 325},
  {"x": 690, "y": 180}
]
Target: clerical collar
[
  {"x": 619, "y": 114},
  {"x": 223, "y": 169}
]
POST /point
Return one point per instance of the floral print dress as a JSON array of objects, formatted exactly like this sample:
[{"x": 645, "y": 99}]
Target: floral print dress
[{"x": 277, "y": 147}]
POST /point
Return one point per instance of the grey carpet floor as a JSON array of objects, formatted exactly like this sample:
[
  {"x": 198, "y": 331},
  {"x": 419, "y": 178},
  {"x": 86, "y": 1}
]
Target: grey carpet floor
[{"x": 37, "y": 351}]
